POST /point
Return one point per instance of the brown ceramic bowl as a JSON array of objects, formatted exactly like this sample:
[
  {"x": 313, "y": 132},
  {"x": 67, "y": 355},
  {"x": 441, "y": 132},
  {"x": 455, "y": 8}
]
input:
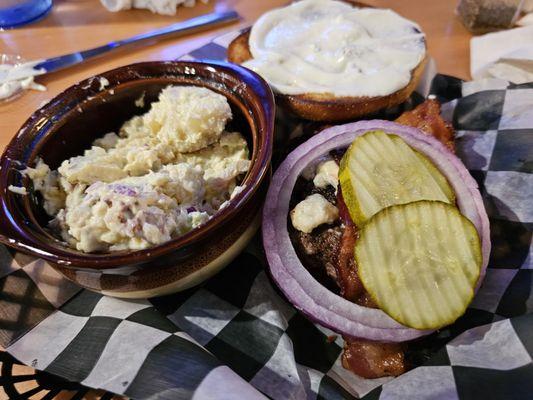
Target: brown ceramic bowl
[{"x": 70, "y": 122}]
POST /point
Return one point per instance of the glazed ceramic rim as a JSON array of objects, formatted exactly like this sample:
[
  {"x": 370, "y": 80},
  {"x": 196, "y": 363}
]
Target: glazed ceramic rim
[
  {"x": 200, "y": 275},
  {"x": 36, "y": 242}
]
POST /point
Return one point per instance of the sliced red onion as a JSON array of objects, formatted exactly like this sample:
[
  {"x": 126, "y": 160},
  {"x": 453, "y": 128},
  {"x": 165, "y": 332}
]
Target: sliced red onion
[{"x": 299, "y": 286}]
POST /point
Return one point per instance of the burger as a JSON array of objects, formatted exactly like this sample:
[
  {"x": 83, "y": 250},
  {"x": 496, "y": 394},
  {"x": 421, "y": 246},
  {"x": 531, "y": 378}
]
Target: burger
[{"x": 376, "y": 230}]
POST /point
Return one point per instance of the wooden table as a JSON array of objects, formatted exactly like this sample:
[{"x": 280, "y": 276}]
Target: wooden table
[{"x": 79, "y": 24}]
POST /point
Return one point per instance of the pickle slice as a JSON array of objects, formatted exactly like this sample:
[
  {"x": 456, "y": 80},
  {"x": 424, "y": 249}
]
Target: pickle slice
[
  {"x": 381, "y": 170},
  {"x": 420, "y": 262}
]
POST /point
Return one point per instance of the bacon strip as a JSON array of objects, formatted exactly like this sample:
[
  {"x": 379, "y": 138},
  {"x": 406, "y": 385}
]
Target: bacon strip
[
  {"x": 347, "y": 278},
  {"x": 373, "y": 359},
  {"x": 426, "y": 117}
]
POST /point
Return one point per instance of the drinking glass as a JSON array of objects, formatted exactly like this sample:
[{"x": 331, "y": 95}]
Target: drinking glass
[{"x": 19, "y": 12}]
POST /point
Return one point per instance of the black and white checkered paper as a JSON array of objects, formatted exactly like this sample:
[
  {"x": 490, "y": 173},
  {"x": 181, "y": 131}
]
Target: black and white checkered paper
[{"x": 236, "y": 337}]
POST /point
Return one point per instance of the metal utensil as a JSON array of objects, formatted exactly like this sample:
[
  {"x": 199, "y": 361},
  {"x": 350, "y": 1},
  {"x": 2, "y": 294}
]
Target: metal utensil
[{"x": 39, "y": 67}]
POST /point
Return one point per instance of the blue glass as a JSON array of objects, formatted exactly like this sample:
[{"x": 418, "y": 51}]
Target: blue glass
[{"x": 19, "y": 12}]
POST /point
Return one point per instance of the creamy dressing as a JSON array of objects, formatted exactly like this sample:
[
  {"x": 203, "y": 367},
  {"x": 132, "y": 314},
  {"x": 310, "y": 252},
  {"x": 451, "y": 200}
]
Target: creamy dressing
[
  {"x": 326, "y": 46},
  {"x": 19, "y": 77},
  {"x": 165, "y": 172}
]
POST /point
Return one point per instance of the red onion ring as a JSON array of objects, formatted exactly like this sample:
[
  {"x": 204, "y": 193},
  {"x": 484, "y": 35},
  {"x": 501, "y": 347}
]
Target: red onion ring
[{"x": 298, "y": 285}]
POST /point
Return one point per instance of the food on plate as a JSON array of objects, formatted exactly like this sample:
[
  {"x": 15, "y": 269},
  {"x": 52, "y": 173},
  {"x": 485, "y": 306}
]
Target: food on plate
[
  {"x": 371, "y": 359},
  {"x": 380, "y": 170},
  {"x": 18, "y": 76},
  {"x": 419, "y": 262},
  {"x": 426, "y": 117},
  {"x": 328, "y": 60},
  {"x": 409, "y": 247},
  {"x": 313, "y": 211},
  {"x": 164, "y": 173}
]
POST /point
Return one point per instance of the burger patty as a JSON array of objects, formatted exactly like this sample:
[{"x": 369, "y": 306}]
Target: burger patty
[{"x": 327, "y": 252}]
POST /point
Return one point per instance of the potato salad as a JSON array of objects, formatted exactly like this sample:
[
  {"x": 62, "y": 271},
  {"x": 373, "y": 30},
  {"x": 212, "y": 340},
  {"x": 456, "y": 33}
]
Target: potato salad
[{"x": 163, "y": 174}]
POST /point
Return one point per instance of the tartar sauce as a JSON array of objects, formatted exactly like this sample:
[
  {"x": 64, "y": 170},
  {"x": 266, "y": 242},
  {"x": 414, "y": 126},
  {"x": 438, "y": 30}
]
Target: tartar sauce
[{"x": 326, "y": 46}]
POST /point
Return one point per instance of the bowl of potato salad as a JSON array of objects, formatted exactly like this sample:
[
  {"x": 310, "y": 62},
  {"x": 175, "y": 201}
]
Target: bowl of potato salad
[{"x": 143, "y": 180}]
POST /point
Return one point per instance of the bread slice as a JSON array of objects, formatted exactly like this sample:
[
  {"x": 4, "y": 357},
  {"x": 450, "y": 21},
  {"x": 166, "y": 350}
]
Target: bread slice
[{"x": 327, "y": 107}]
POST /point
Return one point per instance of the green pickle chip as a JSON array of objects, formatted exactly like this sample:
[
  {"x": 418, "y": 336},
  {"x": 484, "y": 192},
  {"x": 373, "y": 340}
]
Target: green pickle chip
[{"x": 420, "y": 262}]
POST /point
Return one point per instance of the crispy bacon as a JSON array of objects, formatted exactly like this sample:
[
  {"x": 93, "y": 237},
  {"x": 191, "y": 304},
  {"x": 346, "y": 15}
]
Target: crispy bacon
[
  {"x": 347, "y": 278},
  {"x": 373, "y": 359},
  {"x": 426, "y": 117},
  {"x": 366, "y": 358}
]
